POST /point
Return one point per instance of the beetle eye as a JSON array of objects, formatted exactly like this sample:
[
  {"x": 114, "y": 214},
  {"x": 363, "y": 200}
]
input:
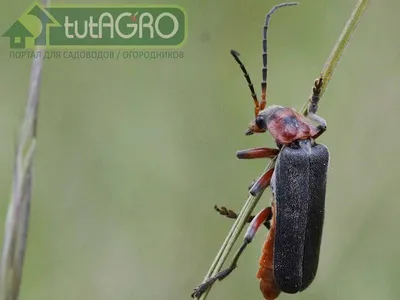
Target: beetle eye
[{"x": 260, "y": 122}]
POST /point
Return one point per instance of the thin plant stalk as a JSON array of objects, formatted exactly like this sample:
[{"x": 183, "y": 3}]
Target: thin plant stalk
[
  {"x": 252, "y": 201},
  {"x": 17, "y": 220}
]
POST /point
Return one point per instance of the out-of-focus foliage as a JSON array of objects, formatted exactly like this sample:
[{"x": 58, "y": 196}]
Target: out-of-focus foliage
[{"x": 133, "y": 154}]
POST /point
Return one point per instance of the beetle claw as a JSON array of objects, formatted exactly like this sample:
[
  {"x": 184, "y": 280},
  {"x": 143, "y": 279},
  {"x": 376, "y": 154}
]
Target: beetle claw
[
  {"x": 251, "y": 184},
  {"x": 198, "y": 291}
]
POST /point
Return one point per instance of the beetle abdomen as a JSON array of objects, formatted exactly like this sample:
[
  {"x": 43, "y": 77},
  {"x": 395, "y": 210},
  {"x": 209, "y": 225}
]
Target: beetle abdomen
[
  {"x": 299, "y": 185},
  {"x": 265, "y": 273}
]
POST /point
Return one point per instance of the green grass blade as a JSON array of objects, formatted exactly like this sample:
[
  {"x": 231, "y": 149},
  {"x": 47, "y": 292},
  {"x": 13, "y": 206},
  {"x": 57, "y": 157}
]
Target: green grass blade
[{"x": 17, "y": 220}]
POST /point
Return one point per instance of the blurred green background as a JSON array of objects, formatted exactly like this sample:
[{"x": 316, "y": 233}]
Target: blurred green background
[{"x": 133, "y": 155}]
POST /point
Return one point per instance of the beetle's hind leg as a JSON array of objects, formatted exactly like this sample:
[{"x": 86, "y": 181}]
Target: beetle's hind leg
[
  {"x": 223, "y": 211},
  {"x": 258, "y": 220},
  {"x": 313, "y": 107}
]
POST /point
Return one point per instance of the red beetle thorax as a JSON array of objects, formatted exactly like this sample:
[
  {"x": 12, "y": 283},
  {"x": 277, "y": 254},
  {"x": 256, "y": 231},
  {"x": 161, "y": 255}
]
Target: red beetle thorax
[{"x": 286, "y": 126}]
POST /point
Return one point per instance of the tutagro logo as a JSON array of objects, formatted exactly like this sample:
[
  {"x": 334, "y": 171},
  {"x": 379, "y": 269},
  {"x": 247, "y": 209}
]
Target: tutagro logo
[{"x": 81, "y": 26}]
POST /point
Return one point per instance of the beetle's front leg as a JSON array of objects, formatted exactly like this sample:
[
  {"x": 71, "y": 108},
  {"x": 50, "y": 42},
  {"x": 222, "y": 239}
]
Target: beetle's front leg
[
  {"x": 260, "y": 152},
  {"x": 313, "y": 107}
]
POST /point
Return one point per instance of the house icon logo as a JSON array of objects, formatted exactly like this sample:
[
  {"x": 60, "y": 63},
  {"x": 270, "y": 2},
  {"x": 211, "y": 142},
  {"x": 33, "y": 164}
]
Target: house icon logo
[{"x": 26, "y": 32}]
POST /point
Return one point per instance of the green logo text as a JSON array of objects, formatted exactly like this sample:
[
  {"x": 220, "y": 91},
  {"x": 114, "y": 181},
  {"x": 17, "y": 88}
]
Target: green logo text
[{"x": 82, "y": 26}]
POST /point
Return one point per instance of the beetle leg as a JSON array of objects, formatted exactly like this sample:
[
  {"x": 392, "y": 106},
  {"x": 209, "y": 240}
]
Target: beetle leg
[
  {"x": 260, "y": 152},
  {"x": 265, "y": 273},
  {"x": 255, "y": 224},
  {"x": 232, "y": 215},
  {"x": 313, "y": 107},
  {"x": 262, "y": 182}
]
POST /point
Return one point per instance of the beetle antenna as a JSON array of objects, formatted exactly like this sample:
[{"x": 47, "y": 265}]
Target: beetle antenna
[
  {"x": 264, "y": 53},
  {"x": 236, "y": 55}
]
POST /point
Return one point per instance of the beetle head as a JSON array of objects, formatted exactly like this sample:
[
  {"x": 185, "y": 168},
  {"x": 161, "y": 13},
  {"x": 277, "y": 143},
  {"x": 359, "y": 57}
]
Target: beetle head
[
  {"x": 257, "y": 125},
  {"x": 260, "y": 123}
]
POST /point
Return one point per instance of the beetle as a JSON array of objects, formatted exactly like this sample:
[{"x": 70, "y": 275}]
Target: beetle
[{"x": 290, "y": 254}]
